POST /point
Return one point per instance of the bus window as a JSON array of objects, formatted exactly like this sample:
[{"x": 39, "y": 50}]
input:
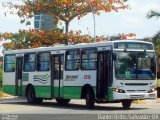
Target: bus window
[
  {"x": 9, "y": 63},
  {"x": 72, "y": 60},
  {"x": 43, "y": 61},
  {"x": 29, "y": 62},
  {"x": 89, "y": 59}
]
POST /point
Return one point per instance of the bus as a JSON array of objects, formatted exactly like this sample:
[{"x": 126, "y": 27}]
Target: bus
[{"x": 100, "y": 72}]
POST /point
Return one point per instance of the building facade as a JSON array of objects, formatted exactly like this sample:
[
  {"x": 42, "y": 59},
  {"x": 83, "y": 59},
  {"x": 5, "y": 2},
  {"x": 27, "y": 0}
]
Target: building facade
[{"x": 43, "y": 21}]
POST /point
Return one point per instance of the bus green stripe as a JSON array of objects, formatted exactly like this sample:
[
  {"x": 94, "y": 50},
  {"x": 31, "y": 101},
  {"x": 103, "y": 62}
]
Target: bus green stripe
[
  {"x": 43, "y": 91},
  {"x": 9, "y": 89},
  {"x": 70, "y": 92}
]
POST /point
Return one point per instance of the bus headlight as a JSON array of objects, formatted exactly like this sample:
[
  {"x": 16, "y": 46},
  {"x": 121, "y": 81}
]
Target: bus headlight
[
  {"x": 118, "y": 90},
  {"x": 151, "y": 90}
]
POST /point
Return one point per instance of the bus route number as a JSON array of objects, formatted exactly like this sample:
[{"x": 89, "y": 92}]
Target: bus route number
[{"x": 87, "y": 77}]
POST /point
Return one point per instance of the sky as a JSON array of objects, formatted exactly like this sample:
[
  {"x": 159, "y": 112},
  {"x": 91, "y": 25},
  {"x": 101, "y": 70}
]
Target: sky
[{"x": 132, "y": 20}]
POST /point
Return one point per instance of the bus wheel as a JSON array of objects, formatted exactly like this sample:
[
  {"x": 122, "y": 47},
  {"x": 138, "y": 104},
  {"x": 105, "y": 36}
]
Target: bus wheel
[
  {"x": 89, "y": 99},
  {"x": 126, "y": 104},
  {"x": 31, "y": 97},
  {"x": 158, "y": 93},
  {"x": 63, "y": 101}
]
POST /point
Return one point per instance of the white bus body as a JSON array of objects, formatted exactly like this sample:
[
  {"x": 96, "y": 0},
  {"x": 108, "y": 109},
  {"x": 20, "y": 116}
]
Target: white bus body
[{"x": 114, "y": 71}]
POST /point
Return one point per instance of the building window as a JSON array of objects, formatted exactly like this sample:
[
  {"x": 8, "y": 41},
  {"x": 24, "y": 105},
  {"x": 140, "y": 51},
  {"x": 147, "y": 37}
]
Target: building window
[
  {"x": 10, "y": 63},
  {"x": 89, "y": 59},
  {"x": 43, "y": 61},
  {"x": 36, "y": 24},
  {"x": 29, "y": 62},
  {"x": 72, "y": 60},
  {"x": 38, "y": 21},
  {"x": 37, "y": 17}
]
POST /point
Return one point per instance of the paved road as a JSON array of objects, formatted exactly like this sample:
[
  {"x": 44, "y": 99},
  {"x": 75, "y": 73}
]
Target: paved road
[{"x": 20, "y": 106}]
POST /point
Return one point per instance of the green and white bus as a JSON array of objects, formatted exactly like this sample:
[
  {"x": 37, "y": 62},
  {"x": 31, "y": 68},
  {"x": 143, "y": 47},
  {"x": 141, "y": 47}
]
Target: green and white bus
[{"x": 104, "y": 72}]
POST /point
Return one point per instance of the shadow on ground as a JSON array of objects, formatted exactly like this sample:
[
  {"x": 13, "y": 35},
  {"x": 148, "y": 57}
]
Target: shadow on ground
[{"x": 74, "y": 106}]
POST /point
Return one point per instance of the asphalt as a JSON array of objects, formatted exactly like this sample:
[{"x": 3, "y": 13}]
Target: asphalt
[{"x": 9, "y": 98}]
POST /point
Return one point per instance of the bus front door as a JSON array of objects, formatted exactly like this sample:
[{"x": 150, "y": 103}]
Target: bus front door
[
  {"x": 19, "y": 62},
  {"x": 103, "y": 74},
  {"x": 57, "y": 75}
]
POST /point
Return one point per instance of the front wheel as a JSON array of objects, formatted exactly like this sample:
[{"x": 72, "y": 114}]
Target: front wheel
[
  {"x": 89, "y": 99},
  {"x": 126, "y": 104},
  {"x": 158, "y": 93}
]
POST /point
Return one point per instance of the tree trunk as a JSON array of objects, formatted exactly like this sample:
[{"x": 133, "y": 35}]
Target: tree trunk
[
  {"x": 67, "y": 26},
  {"x": 66, "y": 30}
]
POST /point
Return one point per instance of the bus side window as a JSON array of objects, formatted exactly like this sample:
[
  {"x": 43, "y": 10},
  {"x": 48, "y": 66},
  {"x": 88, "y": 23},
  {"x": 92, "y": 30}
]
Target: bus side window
[
  {"x": 29, "y": 62},
  {"x": 10, "y": 63},
  {"x": 72, "y": 60},
  {"x": 43, "y": 61},
  {"x": 89, "y": 59}
]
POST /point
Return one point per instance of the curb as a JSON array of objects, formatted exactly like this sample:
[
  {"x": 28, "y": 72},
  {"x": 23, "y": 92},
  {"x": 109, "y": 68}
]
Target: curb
[{"x": 12, "y": 99}]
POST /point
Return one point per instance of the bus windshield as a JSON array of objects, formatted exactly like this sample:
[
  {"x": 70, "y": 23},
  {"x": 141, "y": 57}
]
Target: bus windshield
[{"x": 131, "y": 65}]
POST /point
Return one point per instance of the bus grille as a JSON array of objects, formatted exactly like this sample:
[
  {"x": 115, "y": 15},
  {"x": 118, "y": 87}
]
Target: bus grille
[
  {"x": 137, "y": 96},
  {"x": 133, "y": 91},
  {"x": 136, "y": 84}
]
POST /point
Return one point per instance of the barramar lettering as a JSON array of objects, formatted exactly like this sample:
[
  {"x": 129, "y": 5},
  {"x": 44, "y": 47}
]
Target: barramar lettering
[{"x": 71, "y": 77}]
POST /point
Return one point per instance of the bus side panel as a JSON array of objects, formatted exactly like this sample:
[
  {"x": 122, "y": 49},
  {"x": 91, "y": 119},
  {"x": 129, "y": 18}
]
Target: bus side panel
[
  {"x": 43, "y": 91},
  {"x": 40, "y": 81},
  {"x": 72, "y": 92},
  {"x": 75, "y": 80},
  {"x": 9, "y": 83}
]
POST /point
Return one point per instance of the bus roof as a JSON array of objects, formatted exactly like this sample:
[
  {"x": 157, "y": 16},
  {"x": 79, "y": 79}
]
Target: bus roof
[{"x": 75, "y": 46}]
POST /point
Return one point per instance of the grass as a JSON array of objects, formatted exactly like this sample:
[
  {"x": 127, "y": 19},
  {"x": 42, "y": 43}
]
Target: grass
[{"x": 1, "y": 93}]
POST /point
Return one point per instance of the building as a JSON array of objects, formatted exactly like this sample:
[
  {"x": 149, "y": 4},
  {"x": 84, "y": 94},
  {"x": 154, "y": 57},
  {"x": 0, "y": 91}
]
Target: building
[{"x": 43, "y": 21}]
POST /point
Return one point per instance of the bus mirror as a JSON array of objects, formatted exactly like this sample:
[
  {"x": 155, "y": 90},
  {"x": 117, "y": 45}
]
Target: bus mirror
[
  {"x": 145, "y": 52},
  {"x": 125, "y": 50},
  {"x": 114, "y": 56}
]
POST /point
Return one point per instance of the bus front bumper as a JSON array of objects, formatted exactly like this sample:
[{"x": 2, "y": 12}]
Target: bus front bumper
[{"x": 134, "y": 96}]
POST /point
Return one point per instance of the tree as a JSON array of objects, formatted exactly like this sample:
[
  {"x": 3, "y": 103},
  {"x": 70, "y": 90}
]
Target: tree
[
  {"x": 153, "y": 13},
  {"x": 156, "y": 42},
  {"x": 156, "y": 37},
  {"x": 43, "y": 38},
  {"x": 66, "y": 10},
  {"x": 62, "y": 10}
]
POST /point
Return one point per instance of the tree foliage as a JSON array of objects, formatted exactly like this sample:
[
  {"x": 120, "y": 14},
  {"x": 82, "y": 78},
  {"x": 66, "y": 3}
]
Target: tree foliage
[
  {"x": 156, "y": 37},
  {"x": 156, "y": 42},
  {"x": 153, "y": 13},
  {"x": 66, "y": 10},
  {"x": 62, "y": 10},
  {"x": 32, "y": 38}
]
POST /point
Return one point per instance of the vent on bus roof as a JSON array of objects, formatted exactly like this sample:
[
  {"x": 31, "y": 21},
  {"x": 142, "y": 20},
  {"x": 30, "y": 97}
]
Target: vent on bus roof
[{"x": 57, "y": 45}]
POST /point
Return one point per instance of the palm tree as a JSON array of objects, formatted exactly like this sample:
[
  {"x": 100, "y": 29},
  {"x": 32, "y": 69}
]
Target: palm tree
[
  {"x": 156, "y": 37},
  {"x": 156, "y": 41},
  {"x": 153, "y": 13}
]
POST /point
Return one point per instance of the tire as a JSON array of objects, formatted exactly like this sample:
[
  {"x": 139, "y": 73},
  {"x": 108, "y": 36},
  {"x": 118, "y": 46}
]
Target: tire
[
  {"x": 158, "y": 93},
  {"x": 126, "y": 104},
  {"x": 89, "y": 96},
  {"x": 63, "y": 101},
  {"x": 31, "y": 96}
]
